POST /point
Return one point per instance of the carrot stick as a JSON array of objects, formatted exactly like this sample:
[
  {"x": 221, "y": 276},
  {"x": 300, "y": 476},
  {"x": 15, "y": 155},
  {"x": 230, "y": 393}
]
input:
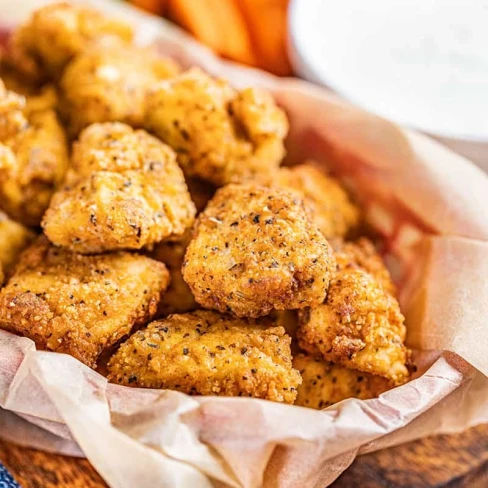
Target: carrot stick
[
  {"x": 267, "y": 24},
  {"x": 195, "y": 17},
  {"x": 157, "y": 7},
  {"x": 217, "y": 23}
]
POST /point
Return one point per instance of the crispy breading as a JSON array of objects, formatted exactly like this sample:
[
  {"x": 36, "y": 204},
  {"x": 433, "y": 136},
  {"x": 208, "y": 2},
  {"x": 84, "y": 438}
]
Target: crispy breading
[
  {"x": 114, "y": 146},
  {"x": 42, "y": 46},
  {"x": 206, "y": 353},
  {"x": 359, "y": 326},
  {"x": 326, "y": 383},
  {"x": 109, "y": 82},
  {"x": 362, "y": 254},
  {"x": 139, "y": 199},
  {"x": 221, "y": 135},
  {"x": 78, "y": 304},
  {"x": 33, "y": 156},
  {"x": 329, "y": 204},
  {"x": 255, "y": 250},
  {"x": 201, "y": 192},
  {"x": 178, "y": 297},
  {"x": 14, "y": 237}
]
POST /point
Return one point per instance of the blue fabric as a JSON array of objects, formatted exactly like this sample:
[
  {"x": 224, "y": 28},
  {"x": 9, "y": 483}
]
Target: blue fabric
[{"x": 6, "y": 480}]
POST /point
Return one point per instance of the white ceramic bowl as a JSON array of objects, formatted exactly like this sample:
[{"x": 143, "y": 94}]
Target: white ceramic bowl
[{"x": 422, "y": 64}]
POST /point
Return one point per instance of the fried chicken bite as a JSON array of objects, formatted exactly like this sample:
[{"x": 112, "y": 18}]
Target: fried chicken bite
[
  {"x": 33, "y": 156},
  {"x": 14, "y": 237},
  {"x": 362, "y": 254},
  {"x": 326, "y": 383},
  {"x": 109, "y": 82},
  {"x": 178, "y": 297},
  {"x": 359, "y": 326},
  {"x": 329, "y": 204},
  {"x": 117, "y": 147},
  {"x": 126, "y": 191},
  {"x": 255, "y": 250},
  {"x": 205, "y": 353},
  {"x": 77, "y": 304},
  {"x": 221, "y": 135},
  {"x": 54, "y": 34}
]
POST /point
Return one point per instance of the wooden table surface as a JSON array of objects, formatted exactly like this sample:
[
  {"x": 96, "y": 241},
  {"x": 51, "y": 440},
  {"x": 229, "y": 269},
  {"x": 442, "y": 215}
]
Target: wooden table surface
[{"x": 455, "y": 461}]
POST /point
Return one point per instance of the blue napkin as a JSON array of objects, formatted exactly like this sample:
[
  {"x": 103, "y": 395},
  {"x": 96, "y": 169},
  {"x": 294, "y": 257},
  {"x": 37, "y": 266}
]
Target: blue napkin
[{"x": 6, "y": 480}]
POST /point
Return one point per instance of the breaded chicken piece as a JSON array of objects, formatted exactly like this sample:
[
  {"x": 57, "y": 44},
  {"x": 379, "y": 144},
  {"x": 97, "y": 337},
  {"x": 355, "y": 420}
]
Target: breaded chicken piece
[
  {"x": 362, "y": 254},
  {"x": 33, "y": 156},
  {"x": 139, "y": 199},
  {"x": 329, "y": 204},
  {"x": 77, "y": 304},
  {"x": 178, "y": 297},
  {"x": 54, "y": 34},
  {"x": 109, "y": 82},
  {"x": 221, "y": 135},
  {"x": 114, "y": 146},
  {"x": 205, "y": 353},
  {"x": 255, "y": 250},
  {"x": 14, "y": 237},
  {"x": 201, "y": 192},
  {"x": 359, "y": 326},
  {"x": 326, "y": 383}
]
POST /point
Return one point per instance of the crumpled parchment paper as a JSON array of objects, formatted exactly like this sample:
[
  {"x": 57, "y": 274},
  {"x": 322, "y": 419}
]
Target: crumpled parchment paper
[{"x": 430, "y": 205}]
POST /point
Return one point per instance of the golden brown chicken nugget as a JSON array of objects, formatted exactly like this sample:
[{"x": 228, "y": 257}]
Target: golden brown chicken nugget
[
  {"x": 54, "y": 34},
  {"x": 326, "y": 383},
  {"x": 78, "y": 304},
  {"x": 139, "y": 199},
  {"x": 255, "y": 250},
  {"x": 206, "y": 353},
  {"x": 109, "y": 82},
  {"x": 114, "y": 146},
  {"x": 330, "y": 206},
  {"x": 362, "y": 254},
  {"x": 14, "y": 237},
  {"x": 178, "y": 297},
  {"x": 33, "y": 157},
  {"x": 359, "y": 326},
  {"x": 221, "y": 135}
]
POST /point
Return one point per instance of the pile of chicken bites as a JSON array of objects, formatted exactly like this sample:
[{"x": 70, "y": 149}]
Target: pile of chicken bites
[{"x": 146, "y": 218}]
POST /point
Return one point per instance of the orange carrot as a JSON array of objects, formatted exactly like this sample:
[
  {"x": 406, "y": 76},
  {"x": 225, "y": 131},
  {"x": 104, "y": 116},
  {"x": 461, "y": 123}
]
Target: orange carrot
[
  {"x": 267, "y": 24},
  {"x": 195, "y": 17},
  {"x": 157, "y": 7},
  {"x": 217, "y": 23}
]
